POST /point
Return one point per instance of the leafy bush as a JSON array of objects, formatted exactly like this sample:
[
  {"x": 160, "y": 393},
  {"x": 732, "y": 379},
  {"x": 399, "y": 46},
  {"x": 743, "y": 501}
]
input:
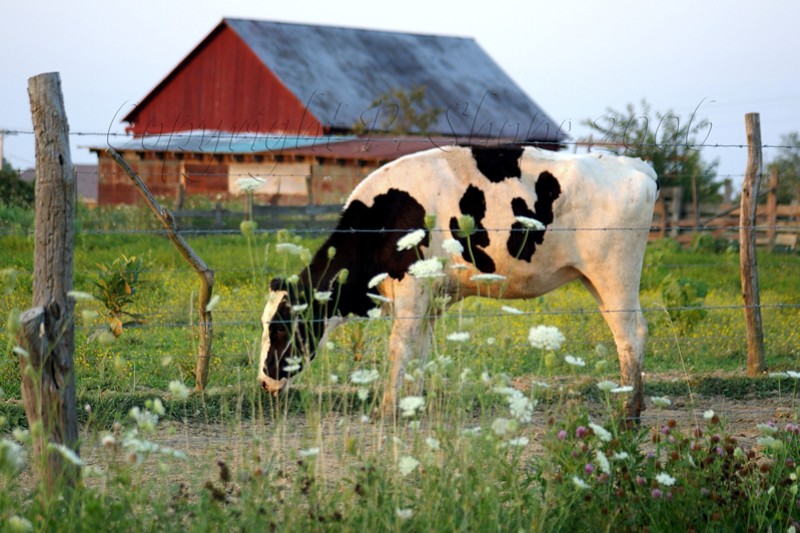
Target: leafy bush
[{"x": 114, "y": 288}]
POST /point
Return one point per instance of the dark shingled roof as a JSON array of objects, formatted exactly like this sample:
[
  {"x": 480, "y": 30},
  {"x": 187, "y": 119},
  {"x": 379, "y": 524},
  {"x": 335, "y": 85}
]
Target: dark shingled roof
[{"x": 339, "y": 72}]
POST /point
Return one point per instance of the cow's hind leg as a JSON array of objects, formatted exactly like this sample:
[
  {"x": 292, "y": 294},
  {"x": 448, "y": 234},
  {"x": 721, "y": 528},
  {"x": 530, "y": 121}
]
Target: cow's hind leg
[
  {"x": 410, "y": 335},
  {"x": 621, "y": 310}
]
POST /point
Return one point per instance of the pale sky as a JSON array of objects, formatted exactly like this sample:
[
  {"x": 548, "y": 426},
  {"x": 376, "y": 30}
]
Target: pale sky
[{"x": 573, "y": 58}]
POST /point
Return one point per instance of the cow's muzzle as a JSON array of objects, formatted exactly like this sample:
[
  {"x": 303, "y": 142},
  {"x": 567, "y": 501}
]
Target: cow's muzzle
[{"x": 273, "y": 385}]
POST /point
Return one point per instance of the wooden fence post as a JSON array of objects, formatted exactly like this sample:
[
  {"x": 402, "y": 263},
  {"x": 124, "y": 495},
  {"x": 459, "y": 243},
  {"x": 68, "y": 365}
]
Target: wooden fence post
[
  {"x": 47, "y": 333},
  {"x": 747, "y": 247}
]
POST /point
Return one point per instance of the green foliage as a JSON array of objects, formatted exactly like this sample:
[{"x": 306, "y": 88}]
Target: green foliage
[
  {"x": 14, "y": 191},
  {"x": 787, "y": 163},
  {"x": 683, "y": 299},
  {"x": 115, "y": 286},
  {"x": 399, "y": 111},
  {"x": 668, "y": 141}
]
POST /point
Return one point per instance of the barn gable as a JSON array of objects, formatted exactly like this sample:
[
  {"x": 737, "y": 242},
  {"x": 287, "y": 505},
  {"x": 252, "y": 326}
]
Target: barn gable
[{"x": 271, "y": 77}]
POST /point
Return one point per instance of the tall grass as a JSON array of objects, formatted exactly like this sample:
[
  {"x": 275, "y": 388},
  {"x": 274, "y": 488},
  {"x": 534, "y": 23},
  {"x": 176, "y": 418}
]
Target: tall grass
[{"x": 508, "y": 436}]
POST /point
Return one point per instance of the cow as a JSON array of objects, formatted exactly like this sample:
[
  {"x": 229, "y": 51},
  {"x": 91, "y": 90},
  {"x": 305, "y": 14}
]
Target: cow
[{"x": 533, "y": 218}]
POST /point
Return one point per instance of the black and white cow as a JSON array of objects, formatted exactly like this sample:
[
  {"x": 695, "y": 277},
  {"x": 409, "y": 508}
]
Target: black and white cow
[{"x": 593, "y": 211}]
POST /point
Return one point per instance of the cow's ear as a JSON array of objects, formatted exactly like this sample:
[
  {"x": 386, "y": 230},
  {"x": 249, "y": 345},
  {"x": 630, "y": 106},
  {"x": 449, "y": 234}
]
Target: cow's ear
[{"x": 277, "y": 284}]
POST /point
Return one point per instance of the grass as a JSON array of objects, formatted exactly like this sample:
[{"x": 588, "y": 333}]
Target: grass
[{"x": 479, "y": 454}]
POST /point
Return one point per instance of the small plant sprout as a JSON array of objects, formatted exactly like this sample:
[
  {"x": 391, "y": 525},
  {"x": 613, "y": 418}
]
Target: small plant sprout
[{"x": 410, "y": 240}]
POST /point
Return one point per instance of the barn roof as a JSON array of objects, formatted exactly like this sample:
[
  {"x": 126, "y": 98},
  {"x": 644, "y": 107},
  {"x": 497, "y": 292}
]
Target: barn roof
[{"x": 339, "y": 72}]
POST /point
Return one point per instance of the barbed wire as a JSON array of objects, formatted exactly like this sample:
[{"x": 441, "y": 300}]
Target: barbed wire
[{"x": 212, "y": 136}]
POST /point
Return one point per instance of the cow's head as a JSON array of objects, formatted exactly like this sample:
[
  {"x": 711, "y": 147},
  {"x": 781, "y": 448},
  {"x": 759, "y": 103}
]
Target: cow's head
[{"x": 287, "y": 341}]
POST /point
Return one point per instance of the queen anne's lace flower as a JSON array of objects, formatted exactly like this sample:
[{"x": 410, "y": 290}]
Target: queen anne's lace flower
[
  {"x": 410, "y": 240},
  {"x": 426, "y": 268},
  {"x": 546, "y": 337}
]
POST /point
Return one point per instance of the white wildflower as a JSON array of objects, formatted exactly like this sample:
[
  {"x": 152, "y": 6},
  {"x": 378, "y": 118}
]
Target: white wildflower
[
  {"x": 21, "y": 435},
  {"x": 378, "y": 298},
  {"x": 767, "y": 429},
  {"x": 404, "y": 514},
  {"x": 511, "y": 310},
  {"x": 620, "y": 456},
  {"x": 146, "y": 420},
  {"x": 406, "y": 465},
  {"x": 519, "y": 442},
  {"x": 459, "y": 336},
  {"x": 333, "y": 378},
  {"x": 546, "y": 337},
  {"x": 410, "y": 405},
  {"x": 607, "y": 386},
  {"x": 322, "y": 296},
  {"x": 249, "y": 184},
  {"x": 299, "y": 308},
  {"x": 11, "y": 454},
  {"x": 178, "y": 390},
  {"x": 471, "y": 432},
  {"x": 108, "y": 440},
  {"x": 488, "y": 278},
  {"x": 158, "y": 407},
  {"x": 622, "y": 389},
  {"x": 531, "y": 223},
  {"x": 78, "y": 295},
  {"x": 661, "y": 401},
  {"x": 426, "y": 268},
  {"x": 778, "y": 375},
  {"x": 665, "y": 479},
  {"x": 289, "y": 248},
  {"x": 19, "y": 524},
  {"x": 213, "y": 302},
  {"x": 792, "y": 374},
  {"x": 293, "y": 364},
  {"x": 364, "y": 377},
  {"x": 602, "y": 462},
  {"x": 67, "y": 453},
  {"x": 374, "y": 313},
  {"x": 433, "y": 443},
  {"x": 310, "y": 452},
  {"x": 410, "y": 240},
  {"x": 708, "y": 415},
  {"x": 540, "y": 384},
  {"x": 601, "y": 432},
  {"x": 491, "y": 341},
  {"x": 578, "y": 482},
  {"x": 458, "y": 266},
  {"x": 452, "y": 246},
  {"x": 574, "y": 361},
  {"x": 521, "y": 408},
  {"x": 501, "y": 426},
  {"x": 376, "y": 280},
  {"x": 363, "y": 394},
  {"x": 20, "y": 351}
]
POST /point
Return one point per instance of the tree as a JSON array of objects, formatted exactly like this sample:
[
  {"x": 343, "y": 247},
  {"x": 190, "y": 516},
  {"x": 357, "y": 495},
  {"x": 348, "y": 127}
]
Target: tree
[
  {"x": 667, "y": 141},
  {"x": 787, "y": 162},
  {"x": 399, "y": 111},
  {"x": 14, "y": 191}
]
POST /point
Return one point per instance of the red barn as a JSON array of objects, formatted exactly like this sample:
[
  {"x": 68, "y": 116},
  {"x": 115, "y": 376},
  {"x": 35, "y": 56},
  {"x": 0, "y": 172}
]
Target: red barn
[{"x": 283, "y": 102}]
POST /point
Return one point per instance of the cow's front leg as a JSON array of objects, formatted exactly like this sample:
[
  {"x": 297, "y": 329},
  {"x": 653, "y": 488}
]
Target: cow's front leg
[{"x": 408, "y": 338}]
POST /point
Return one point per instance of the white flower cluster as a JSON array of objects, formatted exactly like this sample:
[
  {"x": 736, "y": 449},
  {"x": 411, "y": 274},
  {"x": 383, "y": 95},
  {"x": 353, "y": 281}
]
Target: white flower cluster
[
  {"x": 410, "y": 240},
  {"x": 426, "y": 268},
  {"x": 546, "y": 337},
  {"x": 519, "y": 405},
  {"x": 364, "y": 377},
  {"x": 410, "y": 405},
  {"x": 12, "y": 456}
]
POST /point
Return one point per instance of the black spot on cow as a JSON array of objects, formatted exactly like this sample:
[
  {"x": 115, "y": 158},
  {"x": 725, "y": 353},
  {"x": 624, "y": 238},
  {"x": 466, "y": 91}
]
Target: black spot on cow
[
  {"x": 366, "y": 245},
  {"x": 498, "y": 163},
  {"x": 522, "y": 244},
  {"x": 473, "y": 203}
]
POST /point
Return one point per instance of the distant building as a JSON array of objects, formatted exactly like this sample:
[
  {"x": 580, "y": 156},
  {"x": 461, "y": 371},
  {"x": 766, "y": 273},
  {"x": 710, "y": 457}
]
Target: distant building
[
  {"x": 285, "y": 103},
  {"x": 86, "y": 177}
]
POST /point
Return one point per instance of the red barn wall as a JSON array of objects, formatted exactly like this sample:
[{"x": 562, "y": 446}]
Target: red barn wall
[{"x": 222, "y": 85}]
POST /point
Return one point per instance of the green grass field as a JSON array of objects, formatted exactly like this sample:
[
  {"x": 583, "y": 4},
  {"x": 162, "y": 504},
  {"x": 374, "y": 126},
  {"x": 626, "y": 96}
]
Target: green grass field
[{"x": 460, "y": 461}]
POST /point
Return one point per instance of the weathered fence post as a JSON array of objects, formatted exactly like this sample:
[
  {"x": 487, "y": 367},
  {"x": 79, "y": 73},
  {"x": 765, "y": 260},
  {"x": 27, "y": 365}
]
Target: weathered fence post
[
  {"x": 747, "y": 247},
  {"x": 47, "y": 333},
  {"x": 772, "y": 208},
  {"x": 206, "y": 326}
]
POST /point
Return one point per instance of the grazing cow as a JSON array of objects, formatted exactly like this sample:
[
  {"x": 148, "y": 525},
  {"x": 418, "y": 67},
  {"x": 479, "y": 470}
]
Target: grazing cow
[{"x": 540, "y": 219}]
